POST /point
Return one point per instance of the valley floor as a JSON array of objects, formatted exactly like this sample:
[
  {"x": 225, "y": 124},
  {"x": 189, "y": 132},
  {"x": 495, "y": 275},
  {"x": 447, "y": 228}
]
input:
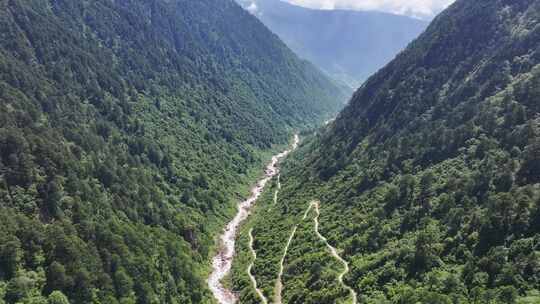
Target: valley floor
[
  {"x": 222, "y": 262},
  {"x": 276, "y": 271}
]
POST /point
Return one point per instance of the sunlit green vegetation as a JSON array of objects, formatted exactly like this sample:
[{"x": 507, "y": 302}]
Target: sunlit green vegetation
[
  {"x": 428, "y": 180},
  {"x": 127, "y": 131}
]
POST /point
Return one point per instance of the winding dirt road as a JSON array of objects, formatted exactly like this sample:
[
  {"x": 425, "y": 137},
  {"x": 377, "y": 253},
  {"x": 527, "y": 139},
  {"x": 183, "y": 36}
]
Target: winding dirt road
[
  {"x": 222, "y": 262},
  {"x": 278, "y": 288},
  {"x": 251, "y": 276},
  {"x": 335, "y": 254},
  {"x": 277, "y": 190}
]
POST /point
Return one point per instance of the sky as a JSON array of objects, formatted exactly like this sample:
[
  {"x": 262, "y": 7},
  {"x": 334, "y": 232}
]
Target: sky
[{"x": 425, "y": 9}]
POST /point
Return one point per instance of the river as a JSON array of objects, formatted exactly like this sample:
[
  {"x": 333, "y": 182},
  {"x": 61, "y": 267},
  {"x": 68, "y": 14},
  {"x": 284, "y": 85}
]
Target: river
[{"x": 222, "y": 261}]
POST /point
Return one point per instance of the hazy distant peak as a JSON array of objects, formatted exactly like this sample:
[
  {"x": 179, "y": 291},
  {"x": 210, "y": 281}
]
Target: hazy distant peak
[
  {"x": 420, "y": 9},
  {"x": 349, "y": 45},
  {"x": 423, "y": 9}
]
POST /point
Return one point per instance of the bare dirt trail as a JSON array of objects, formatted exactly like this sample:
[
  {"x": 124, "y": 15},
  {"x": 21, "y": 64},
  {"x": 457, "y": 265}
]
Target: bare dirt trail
[
  {"x": 251, "y": 276},
  {"x": 278, "y": 288},
  {"x": 335, "y": 254},
  {"x": 222, "y": 262},
  {"x": 276, "y": 193},
  {"x": 277, "y": 190}
]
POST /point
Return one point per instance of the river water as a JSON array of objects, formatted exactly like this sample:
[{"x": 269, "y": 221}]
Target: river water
[{"x": 222, "y": 262}]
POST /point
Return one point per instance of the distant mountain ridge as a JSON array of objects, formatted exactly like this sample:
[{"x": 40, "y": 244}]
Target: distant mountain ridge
[{"x": 349, "y": 45}]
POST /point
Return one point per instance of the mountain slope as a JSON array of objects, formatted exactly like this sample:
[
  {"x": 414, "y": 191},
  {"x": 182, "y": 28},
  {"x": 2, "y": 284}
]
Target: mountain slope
[
  {"x": 127, "y": 129},
  {"x": 348, "y": 45},
  {"x": 429, "y": 179}
]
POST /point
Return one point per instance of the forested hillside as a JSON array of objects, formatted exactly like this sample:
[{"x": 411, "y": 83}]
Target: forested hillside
[
  {"x": 428, "y": 181},
  {"x": 127, "y": 130},
  {"x": 348, "y": 45}
]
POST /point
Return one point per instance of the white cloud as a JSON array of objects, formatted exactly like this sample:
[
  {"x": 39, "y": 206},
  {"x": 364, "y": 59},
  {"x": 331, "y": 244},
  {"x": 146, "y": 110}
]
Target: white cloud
[
  {"x": 252, "y": 8},
  {"x": 416, "y": 8}
]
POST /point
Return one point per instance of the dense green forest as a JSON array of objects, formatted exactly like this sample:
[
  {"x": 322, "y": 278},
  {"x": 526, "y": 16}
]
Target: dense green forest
[
  {"x": 429, "y": 180},
  {"x": 128, "y": 128}
]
